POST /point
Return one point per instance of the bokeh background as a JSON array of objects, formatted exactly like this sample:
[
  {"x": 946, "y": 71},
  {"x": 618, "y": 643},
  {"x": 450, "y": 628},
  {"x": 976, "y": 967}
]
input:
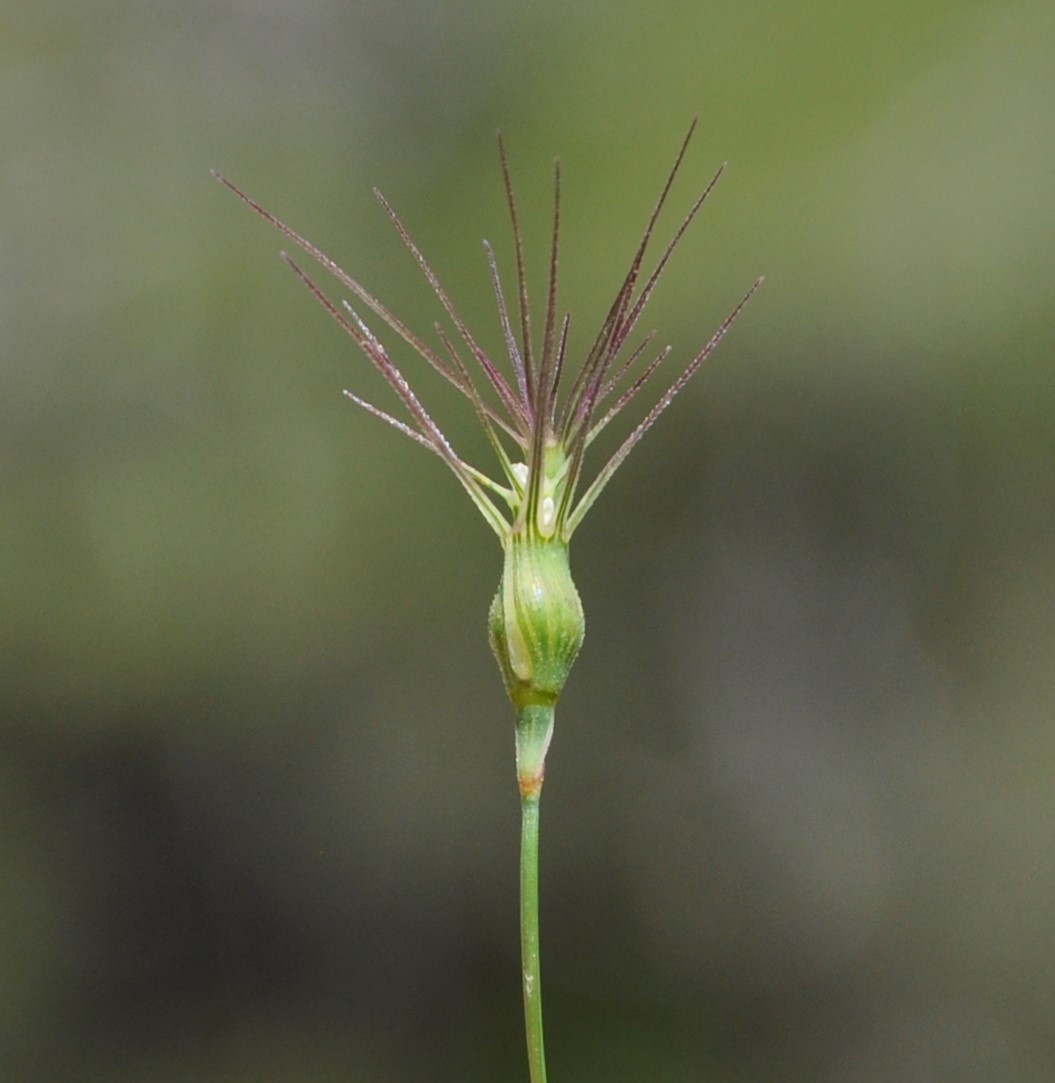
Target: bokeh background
[{"x": 259, "y": 818}]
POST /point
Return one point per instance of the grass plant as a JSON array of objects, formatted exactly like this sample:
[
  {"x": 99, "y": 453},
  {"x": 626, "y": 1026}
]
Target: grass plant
[{"x": 541, "y": 416}]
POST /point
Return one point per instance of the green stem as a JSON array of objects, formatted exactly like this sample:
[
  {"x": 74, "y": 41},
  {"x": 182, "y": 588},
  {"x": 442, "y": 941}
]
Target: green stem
[
  {"x": 534, "y": 730},
  {"x": 529, "y": 935}
]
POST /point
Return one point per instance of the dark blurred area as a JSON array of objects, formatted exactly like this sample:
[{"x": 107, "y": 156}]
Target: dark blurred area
[{"x": 259, "y": 817}]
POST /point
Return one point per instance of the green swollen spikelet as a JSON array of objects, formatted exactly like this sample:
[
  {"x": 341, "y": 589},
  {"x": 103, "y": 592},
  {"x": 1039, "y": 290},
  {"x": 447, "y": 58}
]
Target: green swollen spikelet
[
  {"x": 536, "y": 621},
  {"x": 536, "y": 627}
]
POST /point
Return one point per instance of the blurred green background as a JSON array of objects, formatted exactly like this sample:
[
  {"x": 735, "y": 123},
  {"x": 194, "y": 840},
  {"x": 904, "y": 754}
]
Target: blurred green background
[{"x": 259, "y": 818}]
